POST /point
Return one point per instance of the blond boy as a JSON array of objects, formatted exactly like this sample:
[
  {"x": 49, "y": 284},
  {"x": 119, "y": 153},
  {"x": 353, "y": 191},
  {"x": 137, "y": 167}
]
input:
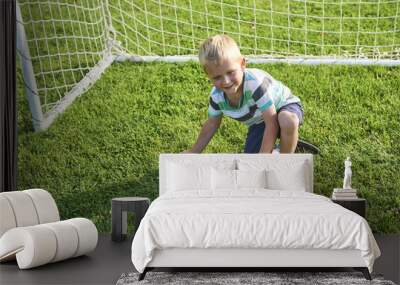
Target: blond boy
[{"x": 248, "y": 95}]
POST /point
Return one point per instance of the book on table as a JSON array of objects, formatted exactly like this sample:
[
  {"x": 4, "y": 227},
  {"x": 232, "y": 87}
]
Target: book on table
[
  {"x": 344, "y": 197},
  {"x": 341, "y": 190},
  {"x": 345, "y": 194}
]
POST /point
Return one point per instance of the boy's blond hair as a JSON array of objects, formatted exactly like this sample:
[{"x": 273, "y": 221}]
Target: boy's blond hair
[{"x": 217, "y": 48}]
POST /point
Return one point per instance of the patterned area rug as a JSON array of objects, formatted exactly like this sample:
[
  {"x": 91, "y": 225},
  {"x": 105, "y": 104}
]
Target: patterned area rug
[{"x": 242, "y": 278}]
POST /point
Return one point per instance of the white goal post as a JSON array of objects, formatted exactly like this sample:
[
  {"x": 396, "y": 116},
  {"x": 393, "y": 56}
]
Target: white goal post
[{"x": 65, "y": 45}]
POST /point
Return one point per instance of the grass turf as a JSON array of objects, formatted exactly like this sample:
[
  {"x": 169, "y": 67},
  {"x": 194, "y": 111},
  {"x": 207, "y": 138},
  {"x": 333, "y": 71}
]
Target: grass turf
[{"x": 107, "y": 143}]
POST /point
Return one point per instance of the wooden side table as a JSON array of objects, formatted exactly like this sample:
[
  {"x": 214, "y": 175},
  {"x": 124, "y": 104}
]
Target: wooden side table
[
  {"x": 119, "y": 209},
  {"x": 357, "y": 205}
]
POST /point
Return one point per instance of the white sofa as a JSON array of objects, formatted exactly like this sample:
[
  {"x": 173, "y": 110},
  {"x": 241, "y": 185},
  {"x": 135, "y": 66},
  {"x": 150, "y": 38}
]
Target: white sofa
[
  {"x": 172, "y": 231},
  {"x": 31, "y": 231}
]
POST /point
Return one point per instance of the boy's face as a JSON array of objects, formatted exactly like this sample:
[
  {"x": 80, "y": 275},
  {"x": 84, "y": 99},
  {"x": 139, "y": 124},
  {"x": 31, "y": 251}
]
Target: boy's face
[{"x": 227, "y": 76}]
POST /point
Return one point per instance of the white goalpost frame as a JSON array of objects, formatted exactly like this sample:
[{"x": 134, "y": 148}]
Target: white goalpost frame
[
  {"x": 134, "y": 30},
  {"x": 40, "y": 120},
  {"x": 294, "y": 60}
]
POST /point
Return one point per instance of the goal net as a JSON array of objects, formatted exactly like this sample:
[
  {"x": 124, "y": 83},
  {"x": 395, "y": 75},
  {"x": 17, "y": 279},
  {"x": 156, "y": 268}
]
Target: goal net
[{"x": 65, "y": 45}]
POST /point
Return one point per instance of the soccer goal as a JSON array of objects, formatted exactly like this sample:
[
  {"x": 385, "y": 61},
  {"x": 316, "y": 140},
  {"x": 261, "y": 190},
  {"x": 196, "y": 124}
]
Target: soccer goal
[{"x": 65, "y": 45}]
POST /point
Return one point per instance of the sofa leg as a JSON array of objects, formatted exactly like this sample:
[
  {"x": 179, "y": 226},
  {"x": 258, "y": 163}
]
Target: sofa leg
[
  {"x": 364, "y": 271},
  {"x": 143, "y": 274}
]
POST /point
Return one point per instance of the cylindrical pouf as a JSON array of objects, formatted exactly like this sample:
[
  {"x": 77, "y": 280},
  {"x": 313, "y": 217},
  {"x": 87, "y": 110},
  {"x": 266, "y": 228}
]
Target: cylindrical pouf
[
  {"x": 7, "y": 218},
  {"x": 45, "y": 205},
  {"x": 87, "y": 235},
  {"x": 23, "y": 208},
  {"x": 26, "y": 208},
  {"x": 67, "y": 239},
  {"x": 33, "y": 246}
]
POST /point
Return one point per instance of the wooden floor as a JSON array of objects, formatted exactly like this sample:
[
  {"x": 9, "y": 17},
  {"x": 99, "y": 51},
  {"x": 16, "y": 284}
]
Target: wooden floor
[{"x": 111, "y": 259}]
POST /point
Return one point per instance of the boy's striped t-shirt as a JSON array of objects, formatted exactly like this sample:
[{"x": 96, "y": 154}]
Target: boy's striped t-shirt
[{"x": 260, "y": 91}]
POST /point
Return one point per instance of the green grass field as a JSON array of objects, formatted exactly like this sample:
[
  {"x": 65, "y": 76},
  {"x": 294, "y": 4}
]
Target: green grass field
[{"x": 107, "y": 142}]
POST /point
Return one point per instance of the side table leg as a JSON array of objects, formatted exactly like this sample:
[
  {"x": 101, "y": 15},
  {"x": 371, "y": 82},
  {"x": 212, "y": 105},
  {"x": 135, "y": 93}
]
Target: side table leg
[
  {"x": 124, "y": 220},
  {"x": 116, "y": 217}
]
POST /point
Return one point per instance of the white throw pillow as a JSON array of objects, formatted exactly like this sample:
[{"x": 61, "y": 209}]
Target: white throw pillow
[
  {"x": 223, "y": 179},
  {"x": 251, "y": 178},
  {"x": 281, "y": 173},
  {"x": 183, "y": 177},
  {"x": 291, "y": 179}
]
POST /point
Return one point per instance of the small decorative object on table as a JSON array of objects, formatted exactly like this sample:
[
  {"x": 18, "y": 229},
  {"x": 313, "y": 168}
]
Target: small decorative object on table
[
  {"x": 345, "y": 193},
  {"x": 347, "y": 196},
  {"x": 347, "y": 174},
  {"x": 120, "y": 206}
]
